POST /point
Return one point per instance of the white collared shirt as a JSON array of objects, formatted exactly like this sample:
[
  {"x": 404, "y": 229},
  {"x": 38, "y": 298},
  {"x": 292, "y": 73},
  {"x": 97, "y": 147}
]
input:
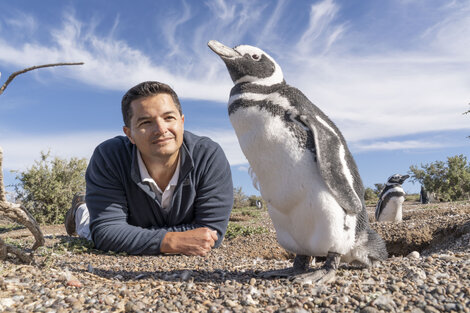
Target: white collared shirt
[{"x": 166, "y": 195}]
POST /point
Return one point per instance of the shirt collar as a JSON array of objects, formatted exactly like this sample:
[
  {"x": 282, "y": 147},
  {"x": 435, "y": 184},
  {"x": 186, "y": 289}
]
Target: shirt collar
[{"x": 145, "y": 176}]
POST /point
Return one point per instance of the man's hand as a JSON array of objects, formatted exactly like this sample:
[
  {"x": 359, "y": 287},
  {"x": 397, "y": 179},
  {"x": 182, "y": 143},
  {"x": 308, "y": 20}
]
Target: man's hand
[{"x": 197, "y": 241}]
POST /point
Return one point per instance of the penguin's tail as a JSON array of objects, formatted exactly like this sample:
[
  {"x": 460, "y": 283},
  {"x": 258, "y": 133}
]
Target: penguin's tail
[{"x": 377, "y": 250}]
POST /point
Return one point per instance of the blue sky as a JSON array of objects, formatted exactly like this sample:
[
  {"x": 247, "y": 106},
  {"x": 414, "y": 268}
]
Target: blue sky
[{"x": 393, "y": 75}]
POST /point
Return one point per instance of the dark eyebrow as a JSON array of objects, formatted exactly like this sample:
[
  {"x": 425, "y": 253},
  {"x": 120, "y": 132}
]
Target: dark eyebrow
[
  {"x": 146, "y": 117},
  {"x": 170, "y": 112}
]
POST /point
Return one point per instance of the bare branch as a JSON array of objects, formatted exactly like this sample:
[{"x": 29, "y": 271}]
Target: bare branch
[
  {"x": 12, "y": 76},
  {"x": 20, "y": 215},
  {"x": 2, "y": 186}
]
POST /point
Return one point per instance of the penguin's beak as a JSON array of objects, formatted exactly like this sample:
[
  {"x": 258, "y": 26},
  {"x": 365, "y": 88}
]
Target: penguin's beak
[
  {"x": 223, "y": 51},
  {"x": 403, "y": 178}
]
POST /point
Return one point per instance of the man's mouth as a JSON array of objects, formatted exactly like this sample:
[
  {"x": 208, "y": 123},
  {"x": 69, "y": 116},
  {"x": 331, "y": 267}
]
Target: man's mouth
[{"x": 162, "y": 140}]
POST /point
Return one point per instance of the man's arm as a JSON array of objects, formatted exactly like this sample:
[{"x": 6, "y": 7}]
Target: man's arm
[
  {"x": 212, "y": 207},
  {"x": 107, "y": 203}
]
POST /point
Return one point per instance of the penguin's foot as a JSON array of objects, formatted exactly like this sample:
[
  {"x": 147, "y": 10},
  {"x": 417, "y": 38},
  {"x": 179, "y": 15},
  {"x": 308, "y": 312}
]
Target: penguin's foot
[
  {"x": 324, "y": 275},
  {"x": 301, "y": 265},
  {"x": 318, "y": 277}
]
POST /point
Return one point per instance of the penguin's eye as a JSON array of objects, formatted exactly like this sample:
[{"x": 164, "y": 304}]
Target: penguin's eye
[{"x": 255, "y": 57}]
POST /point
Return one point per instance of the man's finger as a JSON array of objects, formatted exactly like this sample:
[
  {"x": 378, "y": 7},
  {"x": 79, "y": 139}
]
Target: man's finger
[{"x": 214, "y": 235}]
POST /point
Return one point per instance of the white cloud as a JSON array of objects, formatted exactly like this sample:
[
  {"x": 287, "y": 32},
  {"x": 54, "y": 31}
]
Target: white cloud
[
  {"x": 243, "y": 169},
  {"x": 227, "y": 139},
  {"x": 407, "y": 90},
  {"x": 20, "y": 151},
  {"x": 109, "y": 63},
  {"x": 21, "y": 21},
  {"x": 321, "y": 31},
  {"x": 398, "y": 145}
]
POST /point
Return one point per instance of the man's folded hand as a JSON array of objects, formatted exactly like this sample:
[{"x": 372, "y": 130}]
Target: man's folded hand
[{"x": 197, "y": 241}]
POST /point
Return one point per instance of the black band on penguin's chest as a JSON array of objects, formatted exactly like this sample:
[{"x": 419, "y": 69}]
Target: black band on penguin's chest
[{"x": 303, "y": 134}]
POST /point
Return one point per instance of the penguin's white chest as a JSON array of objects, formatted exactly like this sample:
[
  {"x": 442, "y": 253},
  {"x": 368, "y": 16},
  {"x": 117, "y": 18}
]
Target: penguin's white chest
[
  {"x": 393, "y": 211},
  {"x": 307, "y": 218}
]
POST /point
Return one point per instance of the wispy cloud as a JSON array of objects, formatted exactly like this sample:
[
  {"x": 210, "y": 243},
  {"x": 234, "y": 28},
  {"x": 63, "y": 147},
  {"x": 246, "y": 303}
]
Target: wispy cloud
[
  {"x": 227, "y": 139},
  {"x": 321, "y": 31},
  {"x": 370, "y": 95},
  {"x": 20, "y": 151},
  {"x": 243, "y": 168},
  {"x": 170, "y": 28},
  {"x": 398, "y": 145}
]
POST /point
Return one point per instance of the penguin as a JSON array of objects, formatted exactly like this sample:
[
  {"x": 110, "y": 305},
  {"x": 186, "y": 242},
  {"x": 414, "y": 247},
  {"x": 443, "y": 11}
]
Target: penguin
[
  {"x": 303, "y": 167},
  {"x": 391, "y": 198}
]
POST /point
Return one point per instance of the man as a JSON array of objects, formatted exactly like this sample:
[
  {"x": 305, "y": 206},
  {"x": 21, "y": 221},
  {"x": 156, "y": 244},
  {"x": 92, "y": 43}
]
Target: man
[{"x": 159, "y": 189}]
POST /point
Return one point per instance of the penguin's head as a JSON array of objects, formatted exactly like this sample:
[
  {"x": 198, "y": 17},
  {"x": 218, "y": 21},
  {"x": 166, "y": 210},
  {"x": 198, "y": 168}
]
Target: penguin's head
[
  {"x": 248, "y": 64},
  {"x": 397, "y": 179}
]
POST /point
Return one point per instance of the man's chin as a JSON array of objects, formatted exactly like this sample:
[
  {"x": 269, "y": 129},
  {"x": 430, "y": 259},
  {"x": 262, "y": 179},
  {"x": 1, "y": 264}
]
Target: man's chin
[{"x": 163, "y": 153}]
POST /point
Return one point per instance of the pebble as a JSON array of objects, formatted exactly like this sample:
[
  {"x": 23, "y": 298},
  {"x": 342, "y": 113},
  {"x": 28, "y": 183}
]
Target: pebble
[
  {"x": 228, "y": 280},
  {"x": 413, "y": 255}
]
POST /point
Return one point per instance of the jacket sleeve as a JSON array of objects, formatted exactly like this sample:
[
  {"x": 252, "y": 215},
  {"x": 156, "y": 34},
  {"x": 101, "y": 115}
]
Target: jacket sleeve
[
  {"x": 107, "y": 204},
  {"x": 214, "y": 193}
]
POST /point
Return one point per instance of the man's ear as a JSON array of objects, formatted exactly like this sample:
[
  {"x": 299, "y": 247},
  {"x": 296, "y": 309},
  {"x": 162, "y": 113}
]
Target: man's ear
[{"x": 127, "y": 131}]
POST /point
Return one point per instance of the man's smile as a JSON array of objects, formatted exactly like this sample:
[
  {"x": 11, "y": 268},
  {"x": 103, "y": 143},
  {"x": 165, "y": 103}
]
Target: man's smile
[{"x": 162, "y": 140}]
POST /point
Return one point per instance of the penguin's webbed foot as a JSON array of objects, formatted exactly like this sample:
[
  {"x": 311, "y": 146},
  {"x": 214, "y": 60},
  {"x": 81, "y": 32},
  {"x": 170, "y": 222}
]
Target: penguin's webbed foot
[
  {"x": 301, "y": 265},
  {"x": 318, "y": 277},
  {"x": 324, "y": 275}
]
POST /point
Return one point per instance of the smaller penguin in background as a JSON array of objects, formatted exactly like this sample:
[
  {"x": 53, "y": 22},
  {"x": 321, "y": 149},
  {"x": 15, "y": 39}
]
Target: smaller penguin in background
[{"x": 389, "y": 208}]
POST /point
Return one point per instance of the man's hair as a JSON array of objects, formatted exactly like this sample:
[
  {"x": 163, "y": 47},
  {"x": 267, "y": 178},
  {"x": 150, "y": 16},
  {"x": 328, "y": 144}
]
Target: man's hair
[{"x": 142, "y": 90}]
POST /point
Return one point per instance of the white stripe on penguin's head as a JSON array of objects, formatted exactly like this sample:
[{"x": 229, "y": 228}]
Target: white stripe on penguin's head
[{"x": 248, "y": 64}]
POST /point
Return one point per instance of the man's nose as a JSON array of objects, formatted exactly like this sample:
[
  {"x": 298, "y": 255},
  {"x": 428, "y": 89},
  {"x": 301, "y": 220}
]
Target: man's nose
[{"x": 160, "y": 127}]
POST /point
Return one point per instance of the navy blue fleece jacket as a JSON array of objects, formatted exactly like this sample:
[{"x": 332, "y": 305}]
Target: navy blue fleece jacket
[{"x": 126, "y": 215}]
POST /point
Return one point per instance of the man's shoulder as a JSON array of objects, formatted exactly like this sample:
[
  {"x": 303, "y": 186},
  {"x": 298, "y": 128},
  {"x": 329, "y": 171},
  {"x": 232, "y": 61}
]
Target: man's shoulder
[
  {"x": 196, "y": 143},
  {"x": 119, "y": 145},
  {"x": 204, "y": 150}
]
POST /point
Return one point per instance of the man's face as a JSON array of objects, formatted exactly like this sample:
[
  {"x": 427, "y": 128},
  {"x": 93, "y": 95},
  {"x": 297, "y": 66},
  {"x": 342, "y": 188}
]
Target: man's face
[{"x": 156, "y": 127}]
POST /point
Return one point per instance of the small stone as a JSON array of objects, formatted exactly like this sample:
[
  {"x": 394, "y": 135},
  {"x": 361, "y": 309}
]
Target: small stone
[
  {"x": 413, "y": 255},
  {"x": 7, "y": 302},
  {"x": 90, "y": 269},
  {"x": 120, "y": 306},
  {"x": 430, "y": 309},
  {"x": 109, "y": 300},
  {"x": 70, "y": 300},
  {"x": 369, "y": 309},
  {"x": 130, "y": 306},
  {"x": 450, "y": 307},
  {"x": 249, "y": 300},
  {"x": 230, "y": 303},
  {"x": 77, "y": 305},
  {"x": 74, "y": 283},
  {"x": 385, "y": 302}
]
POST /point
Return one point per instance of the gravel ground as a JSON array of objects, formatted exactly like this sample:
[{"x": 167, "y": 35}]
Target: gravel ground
[{"x": 428, "y": 271}]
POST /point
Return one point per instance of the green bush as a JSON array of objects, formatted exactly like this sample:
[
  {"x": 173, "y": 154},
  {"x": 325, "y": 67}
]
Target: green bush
[
  {"x": 448, "y": 181},
  {"x": 47, "y": 188},
  {"x": 237, "y": 230},
  {"x": 370, "y": 195},
  {"x": 378, "y": 189},
  {"x": 239, "y": 198}
]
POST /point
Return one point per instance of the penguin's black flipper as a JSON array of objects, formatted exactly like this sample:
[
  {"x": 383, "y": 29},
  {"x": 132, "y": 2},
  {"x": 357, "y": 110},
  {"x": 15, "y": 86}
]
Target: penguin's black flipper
[
  {"x": 378, "y": 208},
  {"x": 336, "y": 164}
]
